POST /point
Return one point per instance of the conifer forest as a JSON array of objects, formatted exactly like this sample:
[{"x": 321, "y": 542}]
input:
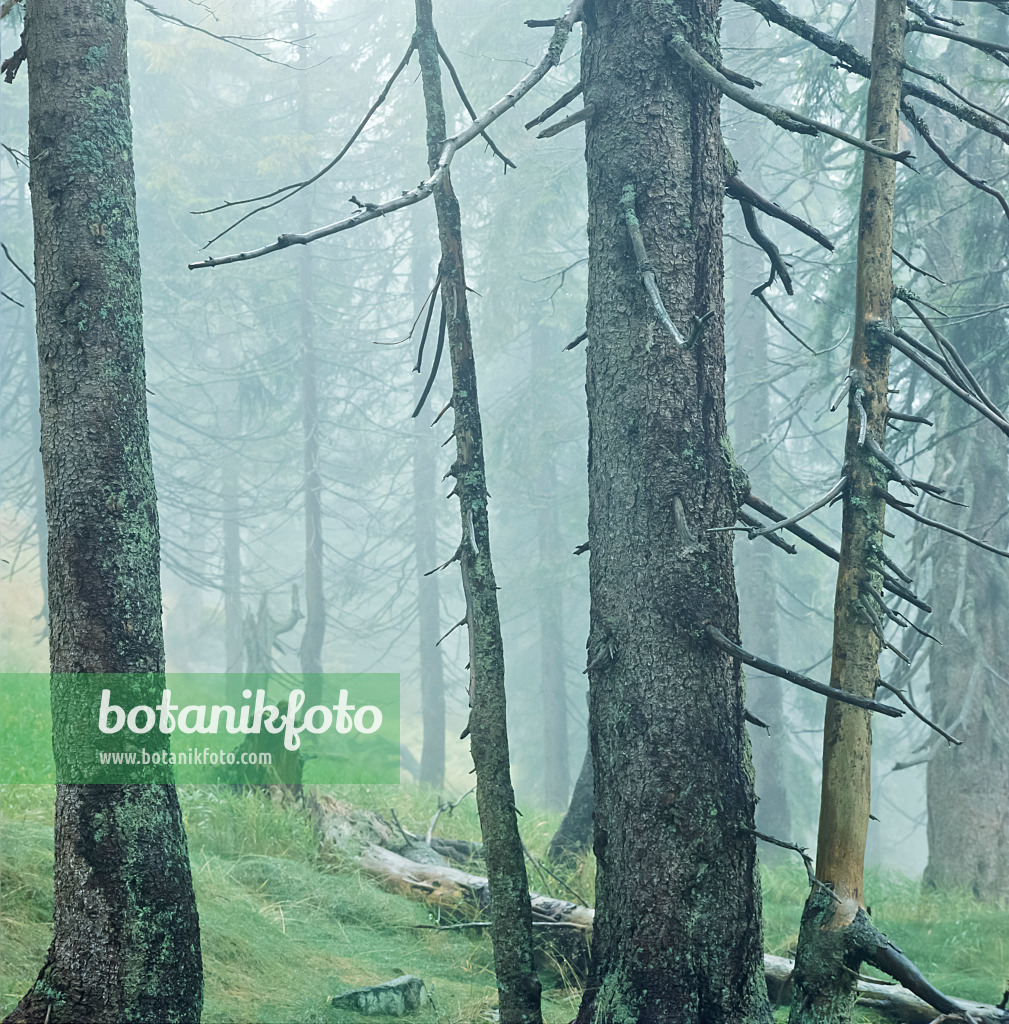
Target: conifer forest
[{"x": 504, "y": 511}]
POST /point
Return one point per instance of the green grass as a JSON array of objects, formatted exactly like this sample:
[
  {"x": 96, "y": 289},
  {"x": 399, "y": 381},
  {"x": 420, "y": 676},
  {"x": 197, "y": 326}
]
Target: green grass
[{"x": 282, "y": 931}]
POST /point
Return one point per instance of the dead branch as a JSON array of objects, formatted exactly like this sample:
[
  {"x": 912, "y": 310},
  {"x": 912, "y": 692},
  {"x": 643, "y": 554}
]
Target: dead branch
[
  {"x": 568, "y": 122},
  {"x": 922, "y": 129},
  {"x": 833, "y": 493},
  {"x": 452, "y": 145},
  {"x": 737, "y": 189},
  {"x": 558, "y": 104},
  {"x": 457, "y": 82},
  {"x": 903, "y": 507},
  {"x": 790, "y": 120},
  {"x": 850, "y": 59},
  {"x": 645, "y": 264},
  {"x": 721, "y": 640}
]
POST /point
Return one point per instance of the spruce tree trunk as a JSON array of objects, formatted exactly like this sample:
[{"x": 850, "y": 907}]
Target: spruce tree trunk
[
  {"x": 756, "y": 576},
  {"x": 425, "y": 540},
  {"x": 510, "y": 915},
  {"x": 310, "y": 652},
  {"x": 550, "y": 597},
  {"x": 968, "y": 785},
  {"x": 574, "y": 834},
  {"x": 673, "y": 780},
  {"x": 126, "y": 944},
  {"x": 828, "y": 943}
]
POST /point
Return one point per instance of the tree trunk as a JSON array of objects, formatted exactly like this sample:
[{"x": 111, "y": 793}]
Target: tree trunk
[
  {"x": 511, "y": 928},
  {"x": 968, "y": 785},
  {"x": 126, "y": 944},
  {"x": 312, "y": 639},
  {"x": 425, "y": 540},
  {"x": 756, "y": 580},
  {"x": 673, "y": 782},
  {"x": 574, "y": 835},
  {"x": 829, "y": 945},
  {"x": 550, "y": 596}
]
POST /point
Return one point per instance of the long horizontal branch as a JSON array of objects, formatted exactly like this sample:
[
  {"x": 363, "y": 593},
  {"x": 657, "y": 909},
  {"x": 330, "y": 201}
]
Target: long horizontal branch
[
  {"x": 852, "y": 59},
  {"x": 809, "y": 510},
  {"x": 721, "y": 640},
  {"x": 371, "y": 211},
  {"x": 788, "y": 119},
  {"x": 996, "y": 50}
]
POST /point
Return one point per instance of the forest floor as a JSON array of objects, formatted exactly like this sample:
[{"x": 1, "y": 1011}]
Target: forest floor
[{"x": 281, "y": 931}]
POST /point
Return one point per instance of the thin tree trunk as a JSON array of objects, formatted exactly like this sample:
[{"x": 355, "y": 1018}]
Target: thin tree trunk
[
  {"x": 673, "y": 785},
  {"x": 550, "y": 594},
  {"x": 126, "y": 944},
  {"x": 315, "y": 598},
  {"x": 829, "y": 935},
  {"x": 511, "y": 920},
  {"x": 425, "y": 539},
  {"x": 755, "y": 564}
]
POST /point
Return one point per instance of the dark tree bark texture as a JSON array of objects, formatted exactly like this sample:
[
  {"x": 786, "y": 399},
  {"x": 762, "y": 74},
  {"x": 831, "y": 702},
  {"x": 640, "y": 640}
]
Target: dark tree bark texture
[
  {"x": 678, "y": 935},
  {"x": 126, "y": 943},
  {"x": 511, "y": 919}
]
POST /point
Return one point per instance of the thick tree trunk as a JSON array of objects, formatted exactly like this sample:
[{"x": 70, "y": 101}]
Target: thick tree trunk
[
  {"x": 673, "y": 782},
  {"x": 829, "y": 944},
  {"x": 511, "y": 923},
  {"x": 126, "y": 944}
]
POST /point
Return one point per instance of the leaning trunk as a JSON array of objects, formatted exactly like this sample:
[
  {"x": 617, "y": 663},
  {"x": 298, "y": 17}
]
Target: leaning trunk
[
  {"x": 673, "y": 783},
  {"x": 511, "y": 921},
  {"x": 126, "y": 944}
]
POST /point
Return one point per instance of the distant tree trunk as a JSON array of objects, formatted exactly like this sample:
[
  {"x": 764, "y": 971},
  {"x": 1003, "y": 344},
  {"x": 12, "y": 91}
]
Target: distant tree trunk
[
  {"x": 550, "y": 594},
  {"x": 425, "y": 540},
  {"x": 825, "y": 987},
  {"x": 756, "y": 579},
  {"x": 511, "y": 918},
  {"x": 673, "y": 785},
  {"x": 968, "y": 785},
  {"x": 126, "y": 943},
  {"x": 574, "y": 835},
  {"x": 315, "y": 598}
]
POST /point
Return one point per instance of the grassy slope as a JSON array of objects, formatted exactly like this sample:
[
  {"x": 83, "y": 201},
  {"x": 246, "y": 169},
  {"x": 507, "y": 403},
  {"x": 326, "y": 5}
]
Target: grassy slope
[{"x": 279, "y": 934}]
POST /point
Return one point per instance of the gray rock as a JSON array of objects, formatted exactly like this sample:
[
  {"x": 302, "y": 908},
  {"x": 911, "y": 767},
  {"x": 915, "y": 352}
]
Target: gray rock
[{"x": 391, "y": 999}]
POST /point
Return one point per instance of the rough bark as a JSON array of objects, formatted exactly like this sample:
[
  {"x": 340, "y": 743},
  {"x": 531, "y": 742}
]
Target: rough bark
[
  {"x": 511, "y": 924},
  {"x": 425, "y": 540},
  {"x": 824, "y": 990},
  {"x": 126, "y": 943},
  {"x": 672, "y": 775}
]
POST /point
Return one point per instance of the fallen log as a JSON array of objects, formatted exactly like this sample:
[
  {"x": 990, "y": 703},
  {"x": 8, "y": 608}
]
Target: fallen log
[{"x": 566, "y": 927}]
